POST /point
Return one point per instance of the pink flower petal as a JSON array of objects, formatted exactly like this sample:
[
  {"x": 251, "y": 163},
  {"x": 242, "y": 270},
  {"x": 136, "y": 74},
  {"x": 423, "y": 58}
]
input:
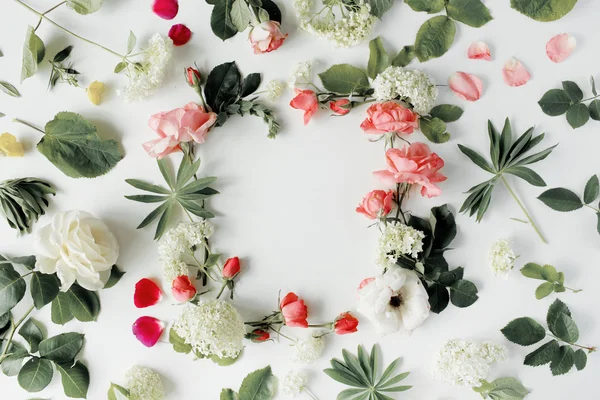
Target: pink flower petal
[
  {"x": 479, "y": 51},
  {"x": 147, "y": 293},
  {"x": 466, "y": 86},
  {"x": 166, "y": 9},
  {"x": 560, "y": 47},
  {"x": 180, "y": 34},
  {"x": 514, "y": 73},
  {"x": 148, "y": 330}
]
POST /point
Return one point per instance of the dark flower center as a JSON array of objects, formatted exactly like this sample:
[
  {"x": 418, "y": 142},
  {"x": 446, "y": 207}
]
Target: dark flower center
[{"x": 396, "y": 300}]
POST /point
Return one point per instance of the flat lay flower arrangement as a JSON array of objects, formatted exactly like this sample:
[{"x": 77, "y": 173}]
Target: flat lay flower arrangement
[{"x": 259, "y": 199}]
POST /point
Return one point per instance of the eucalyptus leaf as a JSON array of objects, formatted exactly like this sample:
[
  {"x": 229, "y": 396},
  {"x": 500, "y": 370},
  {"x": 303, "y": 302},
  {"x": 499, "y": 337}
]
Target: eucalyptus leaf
[{"x": 434, "y": 38}]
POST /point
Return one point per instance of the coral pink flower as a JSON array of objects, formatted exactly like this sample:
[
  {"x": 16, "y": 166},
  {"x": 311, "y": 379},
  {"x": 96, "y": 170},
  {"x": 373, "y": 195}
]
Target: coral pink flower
[
  {"x": 466, "y": 86},
  {"x": 266, "y": 37},
  {"x": 389, "y": 117},
  {"x": 166, "y": 9},
  {"x": 560, "y": 47},
  {"x": 258, "y": 335},
  {"x": 231, "y": 268},
  {"x": 365, "y": 282},
  {"x": 414, "y": 164},
  {"x": 180, "y": 34},
  {"x": 146, "y": 294},
  {"x": 344, "y": 324},
  {"x": 305, "y": 100},
  {"x": 183, "y": 289},
  {"x": 479, "y": 51},
  {"x": 340, "y": 107},
  {"x": 179, "y": 125},
  {"x": 148, "y": 330},
  {"x": 294, "y": 311},
  {"x": 514, "y": 73},
  {"x": 376, "y": 204},
  {"x": 192, "y": 75}
]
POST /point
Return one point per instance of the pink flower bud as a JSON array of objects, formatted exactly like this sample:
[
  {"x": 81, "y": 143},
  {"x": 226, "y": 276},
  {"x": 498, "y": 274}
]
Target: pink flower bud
[
  {"x": 192, "y": 76},
  {"x": 376, "y": 204},
  {"x": 344, "y": 324},
  {"x": 294, "y": 311},
  {"x": 258, "y": 335},
  {"x": 231, "y": 268},
  {"x": 340, "y": 107},
  {"x": 183, "y": 289}
]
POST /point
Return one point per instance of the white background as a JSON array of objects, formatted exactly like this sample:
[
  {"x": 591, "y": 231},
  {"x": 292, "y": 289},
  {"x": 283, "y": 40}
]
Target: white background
[{"x": 287, "y": 205}]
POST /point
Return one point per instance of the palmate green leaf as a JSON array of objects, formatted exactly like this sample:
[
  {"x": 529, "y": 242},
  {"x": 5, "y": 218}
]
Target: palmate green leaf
[
  {"x": 563, "y": 361},
  {"x": 33, "y": 53},
  {"x": 35, "y": 375},
  {"x": 344, "y": 79},
  {"x": 561, "y": 199},
  {"x": 592, "y": 190},
  {"x": 524, "y": 331},
  {"x": 378, "y": 58},
  {"x": 470, "y": 12},
  {"x": 31, "y": 332},
  {"x": 186, "y": 171},
  {"x": 543, "y": 355},
  {"x": 75, "y": 379},
  {"x": 258, "y": 385},
  {"x": 543, "y": 10},
  {"x": 365, "y": 365},
  {"x": 434, "y": 38}
]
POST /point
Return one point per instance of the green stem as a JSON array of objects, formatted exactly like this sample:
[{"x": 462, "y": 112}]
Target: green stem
[
  {"x": 591, "y": 98},
  {"x": 573, "y": 290},
  {"x": 13, "y": 329},
  {"x": 222, "y": 289},
  {"x": 46, "y": 12},
  {"x": 514, "y": 196},
  {"x": 312, "y": 396},
  {"x": 19, "y": 121},
  {"x": 593, "y": 208},
  {"x": 327, "y": 325},
  {"x": 590, "y": 349}
]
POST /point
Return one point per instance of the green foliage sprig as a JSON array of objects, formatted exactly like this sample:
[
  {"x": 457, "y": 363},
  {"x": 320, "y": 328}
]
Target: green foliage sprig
[
  {"x": 258, "y": 385},
  {"x": 229, "y": 17},
  {"x": 569, "y": 100},
  {"x": 565, "y": 200},
  {"x": 363, "y": 375},
  {"x": 526, "y": 331},
  {"x": 555, "y": 281},
  {"x": 508, "y": 157},
  {"x": 23, "y": 200},
  {"x": 62, "y": 73},
  {"x": 543, "y": 10}
]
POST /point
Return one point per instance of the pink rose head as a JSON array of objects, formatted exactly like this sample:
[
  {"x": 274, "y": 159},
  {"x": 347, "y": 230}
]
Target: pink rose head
[
  {"x": 376, "y": 204},
  {"x": 231, "y": 268},
  {"x": 389, "y": 117},
  {"x": 466, "y": 86},
  {"x": 148, "y": 330},
  {"x": 479, "y": 51},
  {"x": 414, "y": 164},
  {"x": 180, "y": 34},
  {"x": 294, "y": 311},
  {"x": 340, "y": 107},
  {"x": 305, "y": 100},
  {"x": 183, "y": 289},
  {"x": 514, "y": 73},
  {"x": 266, "y": 37},
  {"x": 166, "y": 9},
  {"x": 560, "y": 47},
  {"x": 344, "y": 324}
]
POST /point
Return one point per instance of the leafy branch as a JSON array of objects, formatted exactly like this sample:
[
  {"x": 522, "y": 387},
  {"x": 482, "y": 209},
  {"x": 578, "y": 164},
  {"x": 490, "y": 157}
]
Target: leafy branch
[
  {"x": 23, "y": 200},
  {"x": 570, "y": 100},
  {"x": 60, "y": 72},
  {"x": 555, "y": 281}
]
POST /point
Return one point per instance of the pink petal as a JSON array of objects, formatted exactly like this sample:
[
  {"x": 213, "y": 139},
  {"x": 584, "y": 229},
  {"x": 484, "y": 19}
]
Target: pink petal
[
  {"x": 166, "y": 9},
  {"x": 148, "y": 330},
  {"x": 560, "y": 47},
  {"x": 466, "y": 86},
  {"x": 479, "y": 51},
  {"x": 514, "y": 73},
  {"x": 180, "y": 34},
  {"x": 147, "y": 293}
]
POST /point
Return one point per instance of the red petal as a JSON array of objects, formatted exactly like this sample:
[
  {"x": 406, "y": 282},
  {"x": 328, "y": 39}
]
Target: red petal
[
  {"x": 166, "y": 9},
  {"x": 147, "y": 293},
  {"x": 148, "y": 330},
  {"x": 180, "y": 34}
]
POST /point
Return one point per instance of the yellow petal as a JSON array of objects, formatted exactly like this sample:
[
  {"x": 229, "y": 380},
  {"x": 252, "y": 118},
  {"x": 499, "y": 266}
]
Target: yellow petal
[
  {"x": 10, "y": 147},
  {"x": 95, "y": 92}
]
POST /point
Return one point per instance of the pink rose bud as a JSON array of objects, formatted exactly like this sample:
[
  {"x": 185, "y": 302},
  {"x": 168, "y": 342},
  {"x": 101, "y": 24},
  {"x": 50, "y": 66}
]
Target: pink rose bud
[
  {"x": 389, "y": 117},
  {"x": 305, "y": 100},
  {"x": 340, "y": 107},
  {"x": 344, "y": 324},
  {"x": 258, "y": 336},
  {"x": 166, "y": 9},
  {"x": 266, "y": 37},
  {"x": 180, "y": 34},
  {"x": 231, "y": 268},
  {"x": 376, "y": 204},
  {"x": 183, "y": 289},
  {"x": 294, "y": 311},
  {"x": 192, "y": 76}
]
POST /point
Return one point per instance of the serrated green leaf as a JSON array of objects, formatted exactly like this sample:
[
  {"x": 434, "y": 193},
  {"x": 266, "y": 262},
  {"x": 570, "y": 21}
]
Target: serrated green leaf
[
  {"x": 33, "y": 53},
  {"x": 470, "y": 12},
  {"x": 404, "y": 57},
  {"x": 446, "y": 112},
  {"x": 240, "y": 15},
  {"x": 434, "y": 38},
  {"x": 12, "y": 287},
  {"x": 566, "y": 329},
  {"x": 463, "y": 293},
  {"x": 555, "y": 102},
  {"x": 75, "y": 379},
  {"x": 561, "y": 199},
  {"x": 428, "y": 6},
  {"x": 380, "y": 7},
  {"x": 61, "y": 348},
  {"x": 378, "y": 58},
  {"x": 220, "y": 20},
  {"x": 258, "y": 385},
  {"x": 556, "y": 309},
  {"x": 35, "y": 375},
  {"x": 592, "y": 190},
  {"x": 61, "y": 312},
  {"x": 563, "y": 361},
  {"x": 580, "y": 359},
  {"x": 573, "y": 91},
  {"x": 228, "y": 394},
  {"x": 223, "y": 85},
  {"x": 532, "y": 270},
  {"x": 344, "y": 79},
  {"x": 545, "y": 289},
  {"x": 549, "y": 273},
  {"x": 524, "y": 331},
  {"x": 434, "y": 129},
  {"x": 543, "y": 355},
  {"x": 507, "y": 389},
  {"x": 543, "y": 10},
  {"x": 578, "y": 115},
  {"x": 83, "y": 303}
]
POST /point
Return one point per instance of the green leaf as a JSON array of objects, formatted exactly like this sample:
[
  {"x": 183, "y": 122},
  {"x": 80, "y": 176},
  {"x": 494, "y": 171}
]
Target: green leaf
[
  {"x": 75, "y": 379},
  {"x": 44, "y": 288},
  {"x": 380, "y": 7},
  {"x": 33, "y": 54},
  {"x": 186, "y": 171},
  {"x": 131, "y": 41},
  {"x": 61, "y": 312},
  {"x": 12, "y": 287},
  {"x": 549, "y": 273},
  {"x": 463, "y": 293},
  {"x": 117, "y": 392},
  {"x": 593, "y": 85},
  {"x": 524, "y": 331},
  {"x": 9, "y": 89},
  {"x": 84, "y": 304},
  {"x": 26, "y": 261},
  {"x": 438, "y": 297},
  {"x": 147, "y": 186},
  {"x": 378, "y": 58},
  {"x": 250, "y": 83},
  {"x": 84, "y": 7},
  {"x": 434, "y": 129},
  {"x": 120, "y": 67},
  {"x": 578, "y": 115},
  {"x": 115, "y": 277},
  {"x": 222, "y": 84},
  {"x": 428, "y": 6},
  {"x": 556, "y": 309},
  {"x": 566, "y": 329},
  {"x": 543, "y": 355},
  {"x": 527, "y": 174},
  {"x": 35, "y": 375},
  {"x": 62, "y": 348},
  {"x": 573, "y": 91},
  {"x": 555, "y": 102},
  {"x": 220, "y": 20},
  {"x": 580, "y": 359},
  {"x": 163, "y": 167},
  {"x": 545, "y": 289},
  {"x": 224, "y": 361},
  {"x": 592, "y": 190},
  {"x": 344, "y": 79},
  {"x": 471, "y": 12},
  {"x": 434, "y": 38},
  {"x": 507, "y": 389},
  {"x": 476, "y": 158},
  {"x": 179, "y": 345},
  {"x": 446, "y": 112},
  {"x": 271, "y": 8},
  {"x": 598, "y": 222},
  {"x": 543, "y": 10},
  {"x": 443, "y": 225},
  {"x": 561, "y": 199},
  {"x": 532, "y": 270},
  {"x": 12, "y": 364},
  {"x": 258, "y": 385},
  {"x": 31, "y": 332},
  {"x": 594, "y": 109},
  {"x": 228, "y": 394},
  {"x": 73, "y": 146},
  {"x": 563, "y": 362},
  {"x": 240, "y": 15},
  {"x": 404, "y": 57}
]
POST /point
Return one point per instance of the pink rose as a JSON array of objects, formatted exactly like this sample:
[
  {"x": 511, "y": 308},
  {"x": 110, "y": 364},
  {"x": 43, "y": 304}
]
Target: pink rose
[
  {"x": 179, "y": 125},
  {"x": 305, "y": 100},
  {"x": 294, "y": 311},
  {"x": 389, "y": 117},
  {"x": 376, "y": 204},
  {"x": 340, "y": 107},
  {"x": 266, "y": 37},
  {"x": 414, "y": 164},
  {"x": 183, "y": 289}
]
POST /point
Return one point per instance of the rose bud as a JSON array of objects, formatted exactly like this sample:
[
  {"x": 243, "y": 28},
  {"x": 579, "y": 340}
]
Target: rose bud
[
  {"x": 258, "y": 336},
  {"x": 294, "y": 311},
  {"x": 182, "y": 288},
  {"x": 340, "y": 107},
  {"x": 376, "y": 204},
  {"x": 192, "y": 76},
  {"x": 231, "y": 268},
  {"x": 344, "y": 324}
]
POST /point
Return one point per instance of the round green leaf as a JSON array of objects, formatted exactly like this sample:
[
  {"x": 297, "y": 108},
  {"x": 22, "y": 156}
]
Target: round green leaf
[
  {"x": 561, "y": 199},
  {"x": 463, "y": 293},
  {"x": 580, "y": 359},
  {"x": 524, "y": 331},
  {"x": 12, "y": 287},
  {"x": 532, "y": 270},
  {"x": 543, "y": 10},
  {"x": 12, "y": 364},
  {"x": 344, "y": 79},
  {"x": 434, "y": 38},
  {"x": 62, "y": 348},
  {"x": 573, "y": 91},
  {"x": 592, "y": 190},
  {"x": 446, "y": 112},
  {"x": 35, "y": 375},
  {"x": 60, "y": 310},
  {"x": 75, "y": 379},
  {"x": 578, "y": 115},
  {"x": 434, "y": 129},
  {"x": 83, "y": 303},
  {"x": 595, "y": 110},
  {"x": 545, "y": 289},
  {"x": 555, "y": 102},
  {"x": 471, "y": 12}
]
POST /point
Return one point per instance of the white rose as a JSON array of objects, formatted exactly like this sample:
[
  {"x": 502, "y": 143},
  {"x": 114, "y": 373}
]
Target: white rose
[
  {"x": 395, "y": 301},
  {"x": 77, "y": 247}
]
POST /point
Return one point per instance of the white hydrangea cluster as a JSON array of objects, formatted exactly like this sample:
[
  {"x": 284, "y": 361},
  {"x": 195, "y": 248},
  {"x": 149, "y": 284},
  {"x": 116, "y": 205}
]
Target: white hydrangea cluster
[
  {"x": 275, "y": 89},
  {"x": 502, "y": 258},
  {"x": 411, "y": 85},
  {"x": 353, "y": 28},
  {"x": 310, "y": 349},
  {"x": 144, "y": 384},
  {"x": 294, "y": 383},
  {"x": 145, "y": 79},
  {"x": 301, "y": 74},
  {"x": 396, "y": 239},
  {"x": 466, "y": 363},
  {"x": 213, "y": 327}
]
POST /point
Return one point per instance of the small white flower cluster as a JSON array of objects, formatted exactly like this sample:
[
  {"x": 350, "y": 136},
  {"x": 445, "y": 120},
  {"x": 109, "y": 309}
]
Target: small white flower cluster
[
  {"x": 275, "y": 89},
  {"x": 502, "y": 258},
  {"x": 178, "y": 241},
  {"x": 213, "y": 327},
  {"x": 466, "y": 363},
  {"x": 301, "y": 74},
  {"x": 145, "y": 79},
  {"x": 350, "y": 30},
  {"x": 144, "y": 384},
  {"x": 411, "y": 85},
  {"x": 397, "y": 239},
  {"x": 309, "y": 350},
  {"x": 294, "y": 383}
]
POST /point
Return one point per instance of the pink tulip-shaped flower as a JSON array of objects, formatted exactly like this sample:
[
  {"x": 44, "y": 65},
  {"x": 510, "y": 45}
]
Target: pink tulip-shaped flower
[
  {"x": 183, "y": 289},
  {"x": 231, "y": 268},
  {"x": 466, "y": 86},
  {"x": 389, "y": 117},
  {"x": 266, "y": 37},
  {"x": 294, "y": 311},
  {"x": 376, "y": 204}
]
